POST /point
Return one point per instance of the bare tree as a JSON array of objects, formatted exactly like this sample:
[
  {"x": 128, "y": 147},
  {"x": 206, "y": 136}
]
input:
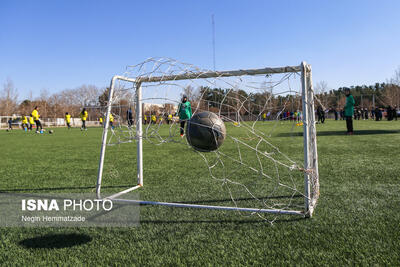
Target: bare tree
[
  {"x": 8, "y": 98},
  {"x": 321, "y": 90},
  {"x": 396, "y": 81},
  {"x": 396, "y": 77},
  {"x": 168, "y": 108},
  {"x": 84, "y": 94},
  {"x": 191, "y": 93},
  {"x": 391, "y": 93},
  {"x": 321, "y": 87}
]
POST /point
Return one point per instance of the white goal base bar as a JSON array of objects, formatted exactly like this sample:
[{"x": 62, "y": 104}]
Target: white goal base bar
[
  {"x": 183, "y": 205},
  {"x": 197, "y": 206}
]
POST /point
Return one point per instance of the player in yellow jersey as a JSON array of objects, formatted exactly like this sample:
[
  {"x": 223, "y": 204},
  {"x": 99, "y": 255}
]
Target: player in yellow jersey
[
  {"x": 145, "y": 119},
  {"x": 153, "y": 119},
  {"x": 84, "y": 115},
  {"x": 111, "y": 121},
  {"x": 35, "y": 115},
  {"x": 169, "y": 119},
  {"x": 24, "y": 121},
  {"x": 31, "y": 122},
  {"x": 68, "y": 119},
  {"x": 101, "y": 120}
]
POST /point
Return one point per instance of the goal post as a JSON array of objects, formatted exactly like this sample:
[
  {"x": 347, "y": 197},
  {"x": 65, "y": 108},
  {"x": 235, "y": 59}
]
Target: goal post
[{"x": 311, "y": 176}]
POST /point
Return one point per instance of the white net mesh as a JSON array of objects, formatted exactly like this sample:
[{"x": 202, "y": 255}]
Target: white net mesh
[{"x": 260, "y": 163}]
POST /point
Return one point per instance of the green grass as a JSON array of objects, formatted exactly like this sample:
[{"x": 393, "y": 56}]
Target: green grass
[{"x": 356, "y": 222}]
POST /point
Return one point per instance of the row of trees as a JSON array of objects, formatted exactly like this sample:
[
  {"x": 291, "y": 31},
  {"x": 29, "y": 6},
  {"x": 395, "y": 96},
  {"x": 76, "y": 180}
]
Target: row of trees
[
  {"x": 377, "y": 95},
  {"x": 239, "y": 101},
  {"x": 72, "y": 100},
  {"x": 50, "y": 105}
]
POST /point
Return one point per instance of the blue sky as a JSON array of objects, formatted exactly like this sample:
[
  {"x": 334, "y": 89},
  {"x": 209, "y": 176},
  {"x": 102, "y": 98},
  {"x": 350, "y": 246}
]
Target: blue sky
[{"x": 55, "y": 45}]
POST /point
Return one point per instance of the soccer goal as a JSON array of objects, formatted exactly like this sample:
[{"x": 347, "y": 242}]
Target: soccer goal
[{"x": 268, "y": 162}]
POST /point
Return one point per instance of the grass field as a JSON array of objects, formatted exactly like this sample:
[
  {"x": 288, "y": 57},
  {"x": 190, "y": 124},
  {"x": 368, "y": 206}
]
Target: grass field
[{"x": 356, "y": 222}]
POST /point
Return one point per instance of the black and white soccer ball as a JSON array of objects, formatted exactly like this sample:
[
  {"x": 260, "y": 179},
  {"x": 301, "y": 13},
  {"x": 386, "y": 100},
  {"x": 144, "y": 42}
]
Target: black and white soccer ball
[
  {"x": 51, "y": 131},
  {"x": 205, "y": 131}
]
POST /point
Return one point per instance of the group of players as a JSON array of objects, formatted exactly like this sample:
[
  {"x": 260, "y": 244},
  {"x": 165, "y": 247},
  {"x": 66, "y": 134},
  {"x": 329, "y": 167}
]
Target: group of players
[
  {"x": 27, "y": 123},
  {"x": 184, "y": 112}
]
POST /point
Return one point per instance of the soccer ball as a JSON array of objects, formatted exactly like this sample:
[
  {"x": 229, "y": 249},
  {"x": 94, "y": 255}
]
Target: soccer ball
[
  {"x": 51, "y": 131},
  {"x": 205, "y": 131}
]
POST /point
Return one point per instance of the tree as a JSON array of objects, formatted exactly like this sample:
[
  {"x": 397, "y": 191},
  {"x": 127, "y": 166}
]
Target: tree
[
  {"x": 391, "y": 90},
  {"x": 8, "y": 98},
  {"x": 321, "y": 94},
  {"x": 190, "y": 92},
  {"x": 391, "y": 95},
  {"x": 168, "y": 108},
  {"x": 25, "y": 108},
  {"x": 103, "y": 97}
]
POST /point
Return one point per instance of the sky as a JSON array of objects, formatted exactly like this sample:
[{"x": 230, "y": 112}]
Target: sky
[{"x": 57, "y": 45}]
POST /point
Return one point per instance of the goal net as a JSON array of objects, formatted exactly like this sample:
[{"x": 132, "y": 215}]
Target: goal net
[{"x": 266, "y": 164}]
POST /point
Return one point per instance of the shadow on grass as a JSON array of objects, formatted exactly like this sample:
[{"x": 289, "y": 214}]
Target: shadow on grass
[
  {"x": 330, "y": 133},
  {"x": 59, "y": 188},
  {"x": 56, "y": 241}
]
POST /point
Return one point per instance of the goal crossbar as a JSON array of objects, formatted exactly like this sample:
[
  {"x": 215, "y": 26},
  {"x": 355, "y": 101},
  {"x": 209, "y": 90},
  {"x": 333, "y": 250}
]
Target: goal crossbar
[
  {"x": 217, "y": 74},
  {"x": 210, "y": 74}
]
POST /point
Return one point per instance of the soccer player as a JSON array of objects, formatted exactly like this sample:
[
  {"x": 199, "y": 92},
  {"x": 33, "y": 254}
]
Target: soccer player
[
  {"x": 101, "y": 120},
  {"x": 84, "y": 115},
  {"x": 320, "y": 114},
  {"x": 145, "y": 119},
  {"x": 35, "y": 115},
  {"x": 31, "y": 122},
  {"x": 348, "y": 111},
  {"x": 24, "y": 124},
  {"x": 298, "y": 116},
  {"x": 153, "y": 119},
  {"x": 111, "y": 121},
  {"x": 129, "y": 117},
  {"x": 169, "y": 119},
  {"x": 366, "y": 114},
  {"x": 184, "y": 112},
  {"x": 264, "y": 116},
  {"x": 9, "y": 124},
  {"x": 68, "y": 120}
]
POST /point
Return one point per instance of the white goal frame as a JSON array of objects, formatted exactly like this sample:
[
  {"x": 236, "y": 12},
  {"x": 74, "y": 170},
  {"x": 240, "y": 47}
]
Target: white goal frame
[{"x": 309, "y": 134}]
